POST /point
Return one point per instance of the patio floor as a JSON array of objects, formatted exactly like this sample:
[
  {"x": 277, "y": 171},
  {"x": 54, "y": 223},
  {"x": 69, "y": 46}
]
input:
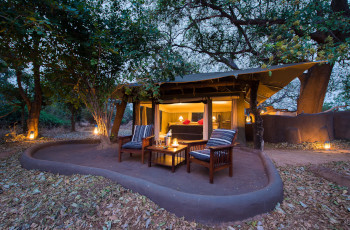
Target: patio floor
[
  {"x": 248, "y": 172},
  {"x": 255, "y": 187}
]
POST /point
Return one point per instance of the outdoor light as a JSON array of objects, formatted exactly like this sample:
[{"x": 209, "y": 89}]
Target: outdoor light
[
  {"x": 181, "y": 118},
  {"x": 248, "y": 119},
  {"x": 262, "y": 112},
  {"x": 175, "y": 143},
  {"x": 31, "y": 135},
  {"x": 96, "y": 131},
  {"x": 327, "y": 145},
  {"x": 214, "y": 119}
]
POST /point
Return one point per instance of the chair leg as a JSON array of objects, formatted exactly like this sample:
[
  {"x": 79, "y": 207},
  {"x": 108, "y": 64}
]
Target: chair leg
[
  {"x": 130, "y": 154},
  {"x": 143, "y": 157},
  {"x": 120, "y": 155},
  {"x": 230, "y": 170}
]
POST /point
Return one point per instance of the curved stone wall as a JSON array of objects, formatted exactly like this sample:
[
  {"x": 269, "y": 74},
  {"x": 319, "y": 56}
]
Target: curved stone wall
[{"x": 202, "y": 208}]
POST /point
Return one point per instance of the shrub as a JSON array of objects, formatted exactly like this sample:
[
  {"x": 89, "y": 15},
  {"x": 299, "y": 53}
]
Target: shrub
[{"x": 49, "y": 120}]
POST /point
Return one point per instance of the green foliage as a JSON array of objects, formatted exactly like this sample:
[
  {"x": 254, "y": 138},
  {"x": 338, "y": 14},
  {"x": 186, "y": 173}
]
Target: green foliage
[{"x": 50, "y": 120}]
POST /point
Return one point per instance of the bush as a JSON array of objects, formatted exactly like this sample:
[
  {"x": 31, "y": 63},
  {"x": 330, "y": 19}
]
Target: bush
[{"x": 50, "y": 120}]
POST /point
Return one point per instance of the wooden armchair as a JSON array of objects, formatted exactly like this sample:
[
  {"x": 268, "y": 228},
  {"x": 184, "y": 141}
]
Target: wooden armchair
[
  {"x": 136, "y": 143},
  {"x": 215, "y": 154}
]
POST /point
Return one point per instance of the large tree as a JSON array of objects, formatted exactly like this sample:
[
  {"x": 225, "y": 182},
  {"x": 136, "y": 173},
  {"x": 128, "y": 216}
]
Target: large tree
[{"x": 266, "y": 33}]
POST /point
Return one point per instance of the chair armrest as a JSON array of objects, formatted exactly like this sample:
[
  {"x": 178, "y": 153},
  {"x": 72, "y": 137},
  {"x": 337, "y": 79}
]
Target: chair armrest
[
  {"x": 220, "y": 147},
  {"x": 147, "y": 141},
  {"x": 193, "y": 143}
]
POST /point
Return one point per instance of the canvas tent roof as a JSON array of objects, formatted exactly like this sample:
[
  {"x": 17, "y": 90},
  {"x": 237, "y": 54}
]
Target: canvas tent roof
[{"x": 271, "y": 80}]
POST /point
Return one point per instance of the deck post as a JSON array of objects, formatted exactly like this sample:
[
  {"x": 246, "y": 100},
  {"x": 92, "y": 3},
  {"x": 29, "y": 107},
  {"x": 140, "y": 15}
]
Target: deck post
[
  {"x": 258, "y": 129},
  {"x": 234, "y": 114},
  {"x": 210, "y": 117},
  {"x": 135, "y": 114},
  {"x": 156, "y": 121},
  {"x": 241, "y": 120},
  {"x": 205, "y": 122}
]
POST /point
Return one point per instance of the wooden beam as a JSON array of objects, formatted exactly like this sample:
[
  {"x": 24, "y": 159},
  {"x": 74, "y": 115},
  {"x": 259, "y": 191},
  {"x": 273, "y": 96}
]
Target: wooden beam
[
  {"x": 156, "y": 121},
  {"x": 234, "y": 115},
  {"x": 205, "y": 122},
  {"x": 258, "y": 129},
  {"x": 210, "y": 117},
  {"x": 198, "y": 85},
  {"x": 203, "y": 95}
]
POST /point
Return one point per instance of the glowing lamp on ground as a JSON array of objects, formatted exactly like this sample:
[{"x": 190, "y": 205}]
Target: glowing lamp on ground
[
  {"x": 262, "y": 112},
  {"x": 31, "y": 135},
  {"x": 327, "y": 145},
  {"x": 96, "y": 131},
  {"x": 175, "y": 143},
  {"x": 181, "y": 118},
  {"x": 248, "y": 119}
]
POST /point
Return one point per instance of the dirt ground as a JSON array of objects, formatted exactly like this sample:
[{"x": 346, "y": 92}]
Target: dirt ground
[{"x": 298, "y": 157}]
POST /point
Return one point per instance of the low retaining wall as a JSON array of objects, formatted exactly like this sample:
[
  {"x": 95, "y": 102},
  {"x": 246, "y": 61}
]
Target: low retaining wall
[
  {"x": 202, "y": 208},
  {"x": 305, "y": 127}
]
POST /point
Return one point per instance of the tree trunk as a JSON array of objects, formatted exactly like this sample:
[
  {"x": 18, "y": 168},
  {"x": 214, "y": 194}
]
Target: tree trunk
[
  {"x": 23, "y": 118},
  {"x": 118, "y": 118},
  {"x": 258, "y": 129},
  {"x": 313, "y": 88},
  {"x": 33, "y": 119}
]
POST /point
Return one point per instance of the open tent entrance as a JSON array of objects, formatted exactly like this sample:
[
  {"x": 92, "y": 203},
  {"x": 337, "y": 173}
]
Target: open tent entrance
[{"x": 190, "y": 120}]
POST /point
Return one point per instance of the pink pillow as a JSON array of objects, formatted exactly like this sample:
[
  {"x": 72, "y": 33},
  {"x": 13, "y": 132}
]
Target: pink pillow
[
  {"x": 200, "y": 122},
  {"x": 186, "y": 122}
]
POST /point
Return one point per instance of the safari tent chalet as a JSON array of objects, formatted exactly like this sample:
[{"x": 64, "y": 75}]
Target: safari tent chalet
[{"x": 193, "y": 105}]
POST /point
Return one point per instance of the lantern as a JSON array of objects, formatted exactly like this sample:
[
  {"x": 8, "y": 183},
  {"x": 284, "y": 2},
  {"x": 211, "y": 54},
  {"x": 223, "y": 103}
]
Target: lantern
[
  {"x": 262, "y": 112},
  {"x": 96, "y": 131},
  {"x": 31, "y": 135},
  {"x": 327, "y": 145},
  {"x": 181, "y": 118},
  {"x": 248, "y": 119},
  {"x": 214, "y": 119},
  {"x": 175, "y": 143}
]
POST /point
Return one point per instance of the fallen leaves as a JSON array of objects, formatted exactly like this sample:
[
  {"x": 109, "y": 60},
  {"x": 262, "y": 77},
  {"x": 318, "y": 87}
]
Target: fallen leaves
[{"x": 40, "y": 200}]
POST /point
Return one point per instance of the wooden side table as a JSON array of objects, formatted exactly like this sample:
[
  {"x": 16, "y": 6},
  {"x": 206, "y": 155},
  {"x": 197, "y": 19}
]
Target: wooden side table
[{"x": 170, "y": 156}]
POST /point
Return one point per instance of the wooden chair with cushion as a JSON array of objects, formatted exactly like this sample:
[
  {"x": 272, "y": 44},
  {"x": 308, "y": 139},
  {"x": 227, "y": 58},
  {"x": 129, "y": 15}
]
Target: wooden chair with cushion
[
  {"x": 136, "y": 143},
  {"x": 215, "y": 154}
]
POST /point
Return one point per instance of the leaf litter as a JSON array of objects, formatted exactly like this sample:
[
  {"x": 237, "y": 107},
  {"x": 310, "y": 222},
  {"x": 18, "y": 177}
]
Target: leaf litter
[{"x": 30, "y": 199}]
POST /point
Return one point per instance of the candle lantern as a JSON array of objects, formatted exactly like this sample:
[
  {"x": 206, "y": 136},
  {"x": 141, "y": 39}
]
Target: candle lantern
[
  {"x": 96, "y": 130},
  {"x": 175, "y": 143},
  {"x": 248, "y": 119},
  {"x": 31, "y": 135},
  {"x": 327, "y": 145}
]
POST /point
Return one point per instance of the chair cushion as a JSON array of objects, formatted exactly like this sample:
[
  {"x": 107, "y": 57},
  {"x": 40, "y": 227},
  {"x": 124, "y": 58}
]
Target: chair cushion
[
  {"x": 221, "y": 137},
  {"x": 203, "y": 155},
  {"x": 132, "y": 145},
  {"x": 141, "y": 131}
]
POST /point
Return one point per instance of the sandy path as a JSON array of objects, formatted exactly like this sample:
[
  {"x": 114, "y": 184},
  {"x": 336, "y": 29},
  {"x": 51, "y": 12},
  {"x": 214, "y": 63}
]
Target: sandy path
[{"x": 298, "y": 157}]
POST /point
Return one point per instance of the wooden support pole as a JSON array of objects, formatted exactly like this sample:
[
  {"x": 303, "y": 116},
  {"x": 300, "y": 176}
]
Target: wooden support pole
[
  {"x": 156, "y": 121},
  {"x": 241, "y": 120},
  {"x": 210, "y": 117},
  {"x": 234, "y": 114},
  {"x": 258, "y": 129},
  {"x": 136, "y": 114},
  {"x": 205, "y": 122},
  {"x": 118, "y": 117}
]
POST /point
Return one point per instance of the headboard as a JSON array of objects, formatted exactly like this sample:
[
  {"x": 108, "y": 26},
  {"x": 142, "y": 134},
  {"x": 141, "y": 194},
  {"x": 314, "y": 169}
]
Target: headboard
[{"x": 187, "y": 132}]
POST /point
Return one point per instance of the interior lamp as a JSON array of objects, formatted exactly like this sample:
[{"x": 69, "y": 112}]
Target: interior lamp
[
  {"x": 214, "y": 119},
  {"x": 327, "y": 145},
  {"x": 175, "y": 143},
  {"x": 262, "y": 112},
  {"x": 248, "y": 119},
  {"x": 181, "y": 118},
  {"x": 96, "y": 130},
  {"x": 31, "y": 135}
]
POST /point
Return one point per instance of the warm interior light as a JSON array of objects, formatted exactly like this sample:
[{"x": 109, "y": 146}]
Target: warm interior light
[
  {"x": 31, "y": 135},
  {"x": 181, "y": 118},
  {"x": 214, "y": 118},
  {"x": 96, "y": 131},
  {"x": 175, "y": 143},
  {"x": 248, "y": 119},
  {"x": 262, "y": 112},
  {"x": 327, "y": 145}
]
